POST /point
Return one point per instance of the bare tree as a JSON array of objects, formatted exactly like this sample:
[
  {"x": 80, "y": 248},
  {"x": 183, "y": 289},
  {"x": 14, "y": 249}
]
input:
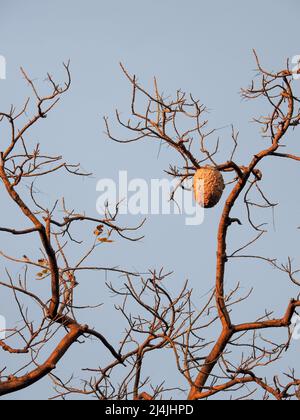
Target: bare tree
[{"x": 157, "y": 321}]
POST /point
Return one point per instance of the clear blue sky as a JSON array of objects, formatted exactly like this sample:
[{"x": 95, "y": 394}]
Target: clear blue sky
[{"x": 203, "y": 47}]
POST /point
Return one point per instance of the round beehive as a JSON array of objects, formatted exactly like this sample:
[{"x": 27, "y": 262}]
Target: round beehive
[{"x": 208, "y": 186}]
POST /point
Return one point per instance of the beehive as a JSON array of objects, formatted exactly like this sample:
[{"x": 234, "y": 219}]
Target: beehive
[{"x": 208, "y": 186}]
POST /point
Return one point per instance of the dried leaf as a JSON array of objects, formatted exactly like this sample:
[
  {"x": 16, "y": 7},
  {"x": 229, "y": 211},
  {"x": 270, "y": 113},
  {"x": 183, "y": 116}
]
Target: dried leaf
[{"x": 105, "y": 240}]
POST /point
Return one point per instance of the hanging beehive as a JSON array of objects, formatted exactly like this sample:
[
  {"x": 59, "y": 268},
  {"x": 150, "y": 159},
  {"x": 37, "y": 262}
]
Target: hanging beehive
[{"x": 208, "y": 186}]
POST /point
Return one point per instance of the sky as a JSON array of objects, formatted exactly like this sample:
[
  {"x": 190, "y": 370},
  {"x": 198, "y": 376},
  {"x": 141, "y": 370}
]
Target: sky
[{"x": 201, "y": 47}]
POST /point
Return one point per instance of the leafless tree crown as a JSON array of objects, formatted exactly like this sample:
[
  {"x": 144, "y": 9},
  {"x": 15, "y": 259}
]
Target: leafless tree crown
[{"x": 157, "y": 320}]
